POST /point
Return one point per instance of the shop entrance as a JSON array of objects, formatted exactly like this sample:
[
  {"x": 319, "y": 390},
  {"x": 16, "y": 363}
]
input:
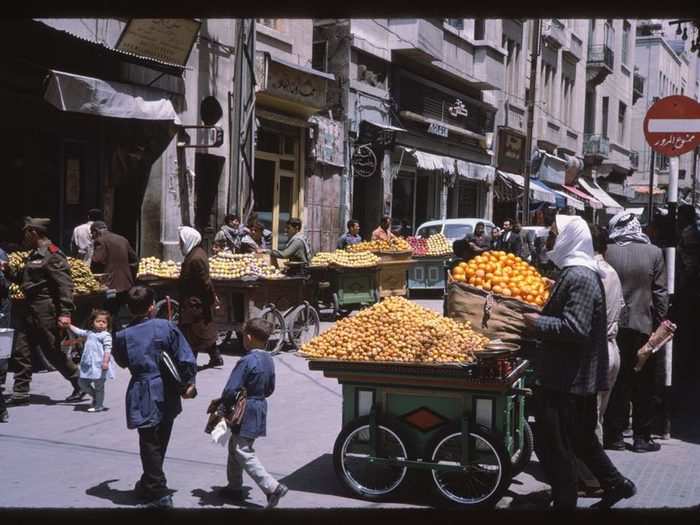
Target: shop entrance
[{"x": 276, "y": 194}]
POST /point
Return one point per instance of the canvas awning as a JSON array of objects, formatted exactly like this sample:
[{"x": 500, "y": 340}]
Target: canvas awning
[
  {"x": 611, "y": 206},
  {"x": 468, "y": 170},
  {"x": 537, "y": 192},
  {"x": 586, "y": 198},
  {"x": 77, "y": 93},
  {"x": 572, "y": 201}
]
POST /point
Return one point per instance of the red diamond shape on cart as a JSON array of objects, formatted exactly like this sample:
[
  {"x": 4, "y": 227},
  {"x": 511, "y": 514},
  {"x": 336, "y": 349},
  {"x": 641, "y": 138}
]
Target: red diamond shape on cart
[{"x": 424, "y": 419}]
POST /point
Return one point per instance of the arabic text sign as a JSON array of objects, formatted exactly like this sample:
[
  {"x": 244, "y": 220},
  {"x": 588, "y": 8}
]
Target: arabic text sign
[
  {"x": 166, "y": 39},
  {"x": 672, "y": 125}
]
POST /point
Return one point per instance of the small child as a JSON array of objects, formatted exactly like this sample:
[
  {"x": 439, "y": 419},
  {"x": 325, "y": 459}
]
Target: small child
[
  {"x": 95, "y": 363},
  {"x": 255, "y": 372}
]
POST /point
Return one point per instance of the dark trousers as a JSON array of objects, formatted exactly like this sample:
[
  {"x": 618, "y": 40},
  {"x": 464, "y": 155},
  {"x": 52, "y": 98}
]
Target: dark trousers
[
  {"x": 564, "y": 430},
  {"x": 153, "y": 443},
  {"x": 45, "y": 334},
  {"x": 115, "y": 306},
  {"x": 631, "y": 386}
]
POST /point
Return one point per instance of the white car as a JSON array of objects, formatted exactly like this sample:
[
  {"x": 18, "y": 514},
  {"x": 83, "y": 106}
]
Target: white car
[{"x": 453, "y": 229}]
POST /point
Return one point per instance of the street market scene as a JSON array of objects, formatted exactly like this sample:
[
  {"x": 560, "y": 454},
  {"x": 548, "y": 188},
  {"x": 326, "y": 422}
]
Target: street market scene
[{"x": 350, "y": 263}]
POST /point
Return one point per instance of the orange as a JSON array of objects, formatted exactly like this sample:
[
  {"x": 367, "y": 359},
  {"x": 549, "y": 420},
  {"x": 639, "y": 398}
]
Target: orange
[
  {"x": 480, "y": 272},
  {"x": 469, "y": 272},
  {"x": 457, "y": 270},
  {"x": 487, "y": 285},
  {"x": 460, "y": 277},
  {"x": 507, "y": 292},
  {"x": 472, "y": 281},
  {"x": 497, "y": 288},
  {"x": 462, "y": 265},
  {"x": 530, "y": 298}
]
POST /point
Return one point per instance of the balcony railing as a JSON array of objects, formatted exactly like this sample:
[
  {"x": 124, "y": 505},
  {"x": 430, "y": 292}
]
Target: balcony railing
[
  {"x": 634, "y": 159},
  {"x": 601, "y": 55},
  {"x": 596, "y": 146},
  {"x": 555, "y": 32}
]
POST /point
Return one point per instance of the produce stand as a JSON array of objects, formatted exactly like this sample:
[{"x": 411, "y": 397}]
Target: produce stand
[
  {"x": 393, "y": 277},
  {"x": 464, "y": 423},
  {"x": 428, "y": 273},
  {"x": 344, "y": 288}
]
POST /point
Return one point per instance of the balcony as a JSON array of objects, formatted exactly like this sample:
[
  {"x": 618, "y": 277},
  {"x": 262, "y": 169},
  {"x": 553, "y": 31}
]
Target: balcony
[
  {"x": 596, "y": 148},
  {"x": 637, "y": 87},
  {"x": 574, "y": 50},
  {"x": 634, "y": 159},
  {"x": 418, "y": 39},
  {"x": 554, "y": 32},
  {"x": 601, "y": 61}
]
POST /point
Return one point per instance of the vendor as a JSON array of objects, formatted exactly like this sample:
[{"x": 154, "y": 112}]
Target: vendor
[
  {"x": 472, "y": 245},
  {"x": 230, "y": 233},
  {"x": 352, "y": 236},
  {"x": 297, "y": 249},
  {"x": 383, "y": 232},
  {"x": 254, "y": 240}
]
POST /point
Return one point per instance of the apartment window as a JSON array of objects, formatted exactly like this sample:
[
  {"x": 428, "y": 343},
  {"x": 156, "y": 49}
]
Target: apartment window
[
  {"x": 479, "y": 29},
  {"x": 512, "y": 66},
  {"x": 567, "y": 89},
  {"x": 606, "y": 100},
  {"x": 662, "y": 163},
  {"x": 547, "y": 83},
  {"x": 457, "y": 23},
  {"x": 622, "y": 114},
  {"x": 319, "y": 56},
  {"x": 609, "y": 34},
  {"x": 626, "y": 29}
]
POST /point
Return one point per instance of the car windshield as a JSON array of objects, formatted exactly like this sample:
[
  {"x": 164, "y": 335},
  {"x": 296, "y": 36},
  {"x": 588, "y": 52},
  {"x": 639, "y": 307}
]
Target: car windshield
[
  {"x": 457, "y": 231},
  {"x": 427, "y": 231}
]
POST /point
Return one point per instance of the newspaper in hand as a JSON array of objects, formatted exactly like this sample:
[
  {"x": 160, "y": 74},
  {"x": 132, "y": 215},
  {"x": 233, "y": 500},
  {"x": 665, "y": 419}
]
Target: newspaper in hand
[{"x": 662, "y": 335}]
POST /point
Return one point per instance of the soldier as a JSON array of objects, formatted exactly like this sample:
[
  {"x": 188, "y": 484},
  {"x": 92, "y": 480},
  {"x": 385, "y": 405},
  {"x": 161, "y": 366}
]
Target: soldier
[{"x": 48, "y": 287}]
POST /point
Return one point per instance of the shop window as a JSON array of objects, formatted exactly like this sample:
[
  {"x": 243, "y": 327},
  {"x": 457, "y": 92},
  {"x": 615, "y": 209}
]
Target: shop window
[{"x": 371, "y": 70}]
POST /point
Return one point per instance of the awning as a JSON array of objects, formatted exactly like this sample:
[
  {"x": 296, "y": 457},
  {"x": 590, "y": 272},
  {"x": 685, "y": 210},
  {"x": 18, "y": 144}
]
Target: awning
[
  {"x": 571, "y": 201},
  {"x": 463, "y": 168},
  {"x": 645, "y": 190},
  {"x": 592, "y": 201},
  {"x": 383, "y": 126},
  {"x": 559, "y": 201},
  {"x": 304, "y": 69},
  {"x": 76, "y": 93},
  {"x": 611, "y": 206},
  {"x": 537, "y": 192}
]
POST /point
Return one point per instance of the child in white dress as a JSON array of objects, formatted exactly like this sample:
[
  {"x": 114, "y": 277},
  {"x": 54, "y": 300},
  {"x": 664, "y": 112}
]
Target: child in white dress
[{"x": 95, "y": 363}]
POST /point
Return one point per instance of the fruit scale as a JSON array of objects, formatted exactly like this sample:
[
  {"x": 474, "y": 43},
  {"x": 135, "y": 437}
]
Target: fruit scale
[{"x": 463, "y": 423}]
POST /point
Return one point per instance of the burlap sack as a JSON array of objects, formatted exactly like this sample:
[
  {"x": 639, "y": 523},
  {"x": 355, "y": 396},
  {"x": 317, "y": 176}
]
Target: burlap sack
[{"x": 493, "y": 315}]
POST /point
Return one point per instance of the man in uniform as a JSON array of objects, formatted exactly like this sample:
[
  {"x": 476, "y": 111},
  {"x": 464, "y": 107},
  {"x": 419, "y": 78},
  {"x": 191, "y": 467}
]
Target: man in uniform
[{"x": 48, "y": 287}]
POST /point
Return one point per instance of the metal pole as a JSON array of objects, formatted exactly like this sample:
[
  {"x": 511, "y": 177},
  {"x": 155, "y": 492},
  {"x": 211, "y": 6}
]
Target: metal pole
[
  {"x": 695, "y": 174},
  {"x": 651, "y": 187},
  {"x": 530, "y": 119}
]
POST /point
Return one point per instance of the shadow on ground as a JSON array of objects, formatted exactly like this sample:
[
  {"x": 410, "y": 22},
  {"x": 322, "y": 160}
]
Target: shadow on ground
[
  {"x": 118, "y": 497},
  {"x": 213, "y": 498}
]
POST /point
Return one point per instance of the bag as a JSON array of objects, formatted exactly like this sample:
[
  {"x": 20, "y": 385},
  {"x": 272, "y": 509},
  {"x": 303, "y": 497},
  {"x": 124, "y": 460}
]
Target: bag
[
  {"x": 170, "y": 373},
  {"x": 233, "y": 416}
]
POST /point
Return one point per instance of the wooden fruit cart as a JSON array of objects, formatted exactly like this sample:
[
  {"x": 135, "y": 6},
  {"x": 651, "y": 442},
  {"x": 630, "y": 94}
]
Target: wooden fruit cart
[
  {"x": 428, "y": 273},
  {"x": 463, "y": 423},
  {"x": 344, "y": 288},
  {"x": 393, "y": 273}
]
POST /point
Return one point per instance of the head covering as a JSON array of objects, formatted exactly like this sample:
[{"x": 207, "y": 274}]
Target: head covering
[
  {"x": 98, "y": 225},
  {"x": 38, "y": 224},
  {"x": 625, "y": 228},
  {"x": 189, "y": 238},
  {"x": 574, "y": 245}
]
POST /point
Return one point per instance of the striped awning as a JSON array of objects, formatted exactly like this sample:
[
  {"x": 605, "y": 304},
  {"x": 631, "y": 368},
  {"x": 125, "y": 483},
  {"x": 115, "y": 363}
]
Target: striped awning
[
  {"x": 572, "y": 201},
  {"x": 538, "y": 192},
  {"x": 591, "y": 201},
  {"x": 611, "y": 205},
  {"x": 468, "y": 170}
]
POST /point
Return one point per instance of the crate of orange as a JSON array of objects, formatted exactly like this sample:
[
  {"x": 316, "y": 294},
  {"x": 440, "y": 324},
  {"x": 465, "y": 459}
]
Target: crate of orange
[{"x": 492, "y": 291}]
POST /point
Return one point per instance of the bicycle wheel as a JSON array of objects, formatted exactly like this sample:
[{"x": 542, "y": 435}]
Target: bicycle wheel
[
  {"x": 483, "y": 480},
  {"x": 168, "y": 309},
  {"x": 522, "y": 456},
  {"x": 304, "y": 324},
  {"x": 279, "y": 328},
  {"x": 351, "y": 459}
]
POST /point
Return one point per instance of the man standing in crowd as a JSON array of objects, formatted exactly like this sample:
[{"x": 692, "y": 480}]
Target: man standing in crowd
[
  {"x": 47, "y": 284},
  {"x": 230, "y": 233},
  {"x": 383, "y": 231},
  {"x": 297, "y": 249},
  {"x": 640, "y": 266},
  {"x": 82, "y": 242},
  {"x": 510, "y": 241},
  {"x": 571, "y": 368},
  {"x": 114, "y": 256},
  {"x": 352, "y": 236}
]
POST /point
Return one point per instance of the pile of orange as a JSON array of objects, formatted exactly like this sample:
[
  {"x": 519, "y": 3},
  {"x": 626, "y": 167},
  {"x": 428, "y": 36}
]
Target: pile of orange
[{"x": 505, "y": 274}]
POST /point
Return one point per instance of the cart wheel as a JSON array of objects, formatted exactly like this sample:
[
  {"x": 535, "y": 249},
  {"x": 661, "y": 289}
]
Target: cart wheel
[
  {"x": 168, "y": 309},
  {"x": 522, "y": 456},
  {"x": 279, "y": 329},
  {"x": 304, "y": 324},
  {"x": 351, "y": 459},
  {"x": 336, "y": 306},
  {"x": 486, "y": 477}
]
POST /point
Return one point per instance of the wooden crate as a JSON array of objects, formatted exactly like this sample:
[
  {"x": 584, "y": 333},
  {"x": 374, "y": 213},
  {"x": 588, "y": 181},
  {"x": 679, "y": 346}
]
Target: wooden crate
[{"x": 393, "y": 277}]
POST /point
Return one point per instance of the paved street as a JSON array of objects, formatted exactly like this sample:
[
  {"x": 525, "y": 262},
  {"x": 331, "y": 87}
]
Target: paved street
[{"x": 57, "y": 455}]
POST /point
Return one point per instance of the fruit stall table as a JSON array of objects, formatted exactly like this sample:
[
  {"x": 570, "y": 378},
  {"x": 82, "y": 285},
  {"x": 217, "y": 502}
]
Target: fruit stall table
[
  {"x": 393, "y": 273},
  {"x": 428, "y": 273},
  {"x": 464, "y": 423},
  {"x": 344, "y": 288}
]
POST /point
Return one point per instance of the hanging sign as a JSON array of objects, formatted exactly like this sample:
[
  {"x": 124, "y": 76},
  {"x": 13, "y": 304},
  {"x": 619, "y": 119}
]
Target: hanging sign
[
  {"x": 436, "y": 129},
  {"x": 165, "y": 39},
  {"x": 672, "y": 125},
  {"x": 364, "y": 161}
]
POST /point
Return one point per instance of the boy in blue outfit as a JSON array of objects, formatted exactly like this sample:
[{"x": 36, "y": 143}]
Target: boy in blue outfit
[
  {"x": 255, "y": 372},
  {"x": 152, "y": 403}
]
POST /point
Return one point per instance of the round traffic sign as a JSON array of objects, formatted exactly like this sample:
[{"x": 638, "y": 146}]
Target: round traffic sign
[{"x": 672, "y": 125}]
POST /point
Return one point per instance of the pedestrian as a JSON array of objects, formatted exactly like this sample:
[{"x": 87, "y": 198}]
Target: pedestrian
[
  {"x": 383, "y": 231},
  {"x": 197, "y": 297},
  {"x": 640, "y": 266},
  {"x": 473, "y": 244},
  {"x": 82, "y": 241},
  {"x": 297, "y": 249},
  {"x": 230, "y": 233},
  {"x": 48, "y": 287},
  {"x": 4, "y": 323},
  {"x": 352, "y": 236},
  {"x": 255, "y": 372},
  {"x": 152, "y": 400},
  {"x": 95, "y": 363},
  {"x": 114, "y": 255},
  {"x": 510, "y": 241},
  {"x": 527, "y": 243},
  {"x": 570, "y": 369}
]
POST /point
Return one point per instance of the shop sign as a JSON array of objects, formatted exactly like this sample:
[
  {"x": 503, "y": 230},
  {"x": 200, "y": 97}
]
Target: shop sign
[
  {"x": 165, "y": 39},
  {"x": 511, "y": 150},
  {"x": 290, "y": 84},
  {"x": 328, "y": 146},
  {"x": 437, "y": 129},
  {"x": 458, "y": 109},
  {"x": 364, "y": 161}
]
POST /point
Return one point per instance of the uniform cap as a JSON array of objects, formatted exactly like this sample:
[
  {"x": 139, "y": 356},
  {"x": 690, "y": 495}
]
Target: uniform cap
[{"x": 38, "y": 224}]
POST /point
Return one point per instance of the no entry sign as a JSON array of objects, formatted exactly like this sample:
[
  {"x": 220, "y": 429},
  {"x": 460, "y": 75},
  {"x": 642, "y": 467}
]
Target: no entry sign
[{"x": 672, "y": 125}]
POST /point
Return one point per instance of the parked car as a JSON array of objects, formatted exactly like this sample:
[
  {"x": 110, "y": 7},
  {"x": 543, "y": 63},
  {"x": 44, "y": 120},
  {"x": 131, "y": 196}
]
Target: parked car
[{"x": 453, "y": 229}]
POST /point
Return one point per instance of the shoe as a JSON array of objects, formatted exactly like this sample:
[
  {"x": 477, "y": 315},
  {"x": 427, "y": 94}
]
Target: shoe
[
  {"x": 618, "y": 444},
  {"x": 4, "y": 416},
  {"x": 623, "y": 490},
  {"x": 274, "y": 498},
  {"x": 216, "y": 362},
  {"x": 76, "y": 397},
  {"x": 645, "y": 445},
  {"x": 535, "y": 500},
  {"x": 140, "y": 491},
  {"x": 96, "y": 409},
  {"x": 233, "y": 494},
  {"x": 165, "y": 502},
  {"x": 18, "y": 398}
]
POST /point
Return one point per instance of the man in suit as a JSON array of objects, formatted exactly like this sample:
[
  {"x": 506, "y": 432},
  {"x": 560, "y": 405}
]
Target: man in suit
[
  {"x": 510, "y": 240},
  {"x": 642, "y": 271},
  {"x": 114, "y": 256}
]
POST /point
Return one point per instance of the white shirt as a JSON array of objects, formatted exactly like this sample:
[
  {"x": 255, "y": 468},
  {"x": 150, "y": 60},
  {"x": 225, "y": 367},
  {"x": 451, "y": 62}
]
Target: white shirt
[
  {"x": 614, "y": 299},
  {"x": 82, "y": 241}
]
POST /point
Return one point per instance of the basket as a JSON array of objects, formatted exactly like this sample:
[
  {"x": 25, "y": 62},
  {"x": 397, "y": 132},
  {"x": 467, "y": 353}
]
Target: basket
[{"x": 7, "y": 337}]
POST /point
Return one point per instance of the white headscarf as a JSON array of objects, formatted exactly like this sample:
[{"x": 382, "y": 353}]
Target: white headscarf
[
  {"x": 189, "y": 238},
  {"x": 625, "y": 229},
  {"x": 574, "y": 244}
]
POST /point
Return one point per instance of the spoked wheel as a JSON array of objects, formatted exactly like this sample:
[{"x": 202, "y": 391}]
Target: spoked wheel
[
  {"x": 486, "y": 475},
  {"x": 304, "y": 324},
  {"x": 279, "y": 328},
  {"x": 336, "y": 306},
  {"x": 168, "y": 309},
  {"x": 352, "y": 454},
  {"x": 522, "y": 456}
]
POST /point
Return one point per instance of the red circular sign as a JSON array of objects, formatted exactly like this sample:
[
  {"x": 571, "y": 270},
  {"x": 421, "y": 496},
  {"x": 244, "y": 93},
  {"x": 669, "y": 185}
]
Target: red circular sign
[{"x": 672, "y": 125}]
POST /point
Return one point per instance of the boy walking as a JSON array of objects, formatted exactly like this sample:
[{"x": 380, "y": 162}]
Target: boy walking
[
  {"x": 152, "y": 402},
  {"x": 255, "y": 372}
]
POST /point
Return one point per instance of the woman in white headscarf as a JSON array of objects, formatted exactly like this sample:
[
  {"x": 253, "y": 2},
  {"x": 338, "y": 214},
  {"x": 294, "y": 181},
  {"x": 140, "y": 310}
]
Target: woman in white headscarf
[{"x": 197, "y": 297}]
